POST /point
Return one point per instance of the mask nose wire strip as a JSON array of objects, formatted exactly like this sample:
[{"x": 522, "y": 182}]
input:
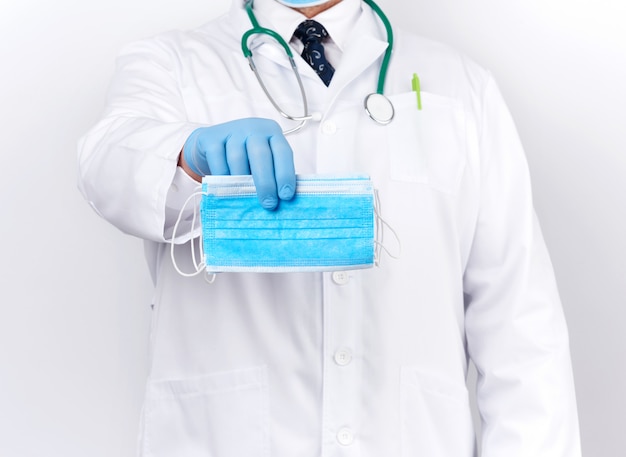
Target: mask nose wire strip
[
  {"x": 199, "y": 265},
  {"x": 380, "y": 226}
]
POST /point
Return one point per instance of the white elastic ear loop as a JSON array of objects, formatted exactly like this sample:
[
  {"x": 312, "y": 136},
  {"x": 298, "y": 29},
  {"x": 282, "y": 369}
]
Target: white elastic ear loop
[
  {"x": 199, "y": 264},
  {"x": 380, "y": 225}
]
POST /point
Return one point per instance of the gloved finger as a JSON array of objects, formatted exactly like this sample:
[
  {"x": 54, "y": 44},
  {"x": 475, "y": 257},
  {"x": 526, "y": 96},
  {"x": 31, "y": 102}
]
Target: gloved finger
[
  {"x": 236, "y": 156},
  {"x": 284, "y": 169},
  {"x": 195, "y": 158},
  {"x": 262, "y": 168},
  {"x": 198, "y": 163},
  {"x": 215, "y": 154}
]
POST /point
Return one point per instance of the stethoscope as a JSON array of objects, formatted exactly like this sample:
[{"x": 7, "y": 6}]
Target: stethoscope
[{"x": 377, "y": 105}]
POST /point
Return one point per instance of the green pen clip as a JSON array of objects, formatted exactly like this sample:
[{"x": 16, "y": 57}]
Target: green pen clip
[{"x": 415, "y": 84}]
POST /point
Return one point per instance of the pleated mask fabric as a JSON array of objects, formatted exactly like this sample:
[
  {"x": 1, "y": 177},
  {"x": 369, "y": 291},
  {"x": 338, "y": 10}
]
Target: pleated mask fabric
[{"x": 327, "y": 226}]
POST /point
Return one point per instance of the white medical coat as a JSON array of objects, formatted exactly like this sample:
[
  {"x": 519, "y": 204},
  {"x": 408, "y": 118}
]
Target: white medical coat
[{"x": 362, "y": 363}]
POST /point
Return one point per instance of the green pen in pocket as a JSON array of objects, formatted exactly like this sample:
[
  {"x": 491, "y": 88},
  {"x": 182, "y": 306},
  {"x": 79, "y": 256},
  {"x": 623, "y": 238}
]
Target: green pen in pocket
[{"x": 415, "y": 84}]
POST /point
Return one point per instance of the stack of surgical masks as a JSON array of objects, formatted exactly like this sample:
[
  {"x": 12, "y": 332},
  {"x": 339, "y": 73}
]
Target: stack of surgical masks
[{"x": 328, "y": 225}]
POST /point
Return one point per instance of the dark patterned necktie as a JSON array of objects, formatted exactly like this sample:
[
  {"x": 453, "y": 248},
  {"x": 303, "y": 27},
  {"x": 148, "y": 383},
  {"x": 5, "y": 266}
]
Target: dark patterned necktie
[{"x": 311, "y": 33}]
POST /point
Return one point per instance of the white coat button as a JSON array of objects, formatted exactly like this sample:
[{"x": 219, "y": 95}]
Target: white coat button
[
  {"x": 343, "y": 357},
  {"x": 341, "y": 277},
  {"x": 329, "y": 128},
  {"x": 345, "y": 437}
]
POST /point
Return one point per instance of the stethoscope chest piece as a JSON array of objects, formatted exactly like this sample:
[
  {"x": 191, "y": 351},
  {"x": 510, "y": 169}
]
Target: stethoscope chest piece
[{"x": 379, "y": 108}]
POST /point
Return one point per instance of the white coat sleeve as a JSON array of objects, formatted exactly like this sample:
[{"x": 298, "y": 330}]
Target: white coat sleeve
[
  {"x": 128, "y": 160},
  {"x": 515, "y": 327}
]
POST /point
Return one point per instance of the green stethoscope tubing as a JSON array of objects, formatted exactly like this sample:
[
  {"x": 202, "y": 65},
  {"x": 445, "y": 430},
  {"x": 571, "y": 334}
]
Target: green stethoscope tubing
[
  {"x": 384, "y": 66},
  {"x": 258, "y": 30}
]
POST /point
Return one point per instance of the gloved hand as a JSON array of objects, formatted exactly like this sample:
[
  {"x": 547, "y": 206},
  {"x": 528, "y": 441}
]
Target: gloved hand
[{"x": 242, "y": 147}]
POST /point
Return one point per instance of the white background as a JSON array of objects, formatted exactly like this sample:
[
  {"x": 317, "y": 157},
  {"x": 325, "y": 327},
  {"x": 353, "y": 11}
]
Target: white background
[{"x": 75, "y": 294}]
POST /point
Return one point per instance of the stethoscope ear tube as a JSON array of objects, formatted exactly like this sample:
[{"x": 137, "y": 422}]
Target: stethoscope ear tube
[{"x": 301, "y": 119}]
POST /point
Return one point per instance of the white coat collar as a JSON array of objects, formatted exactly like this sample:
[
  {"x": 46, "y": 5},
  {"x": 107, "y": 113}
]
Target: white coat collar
[
  {"x": 362, "y": 52},
  {"x": 338, "y": 20}
]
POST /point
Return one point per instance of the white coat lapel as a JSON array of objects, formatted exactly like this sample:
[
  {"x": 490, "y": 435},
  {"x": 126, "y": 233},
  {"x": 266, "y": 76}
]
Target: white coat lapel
[{"x": 361, "y": 52}]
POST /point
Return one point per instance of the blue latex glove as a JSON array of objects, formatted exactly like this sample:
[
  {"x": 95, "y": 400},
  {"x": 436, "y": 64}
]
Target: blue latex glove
[{"x": 242, "y": 147}]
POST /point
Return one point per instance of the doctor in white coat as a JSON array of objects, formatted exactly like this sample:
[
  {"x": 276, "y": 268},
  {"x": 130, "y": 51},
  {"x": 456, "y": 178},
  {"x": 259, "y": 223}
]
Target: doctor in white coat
[{"x": 364, "y": 363}]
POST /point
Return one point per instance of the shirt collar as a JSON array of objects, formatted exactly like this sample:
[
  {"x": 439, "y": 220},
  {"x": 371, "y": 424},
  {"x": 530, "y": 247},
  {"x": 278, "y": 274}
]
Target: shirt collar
[{"x": 337, "y": 20}]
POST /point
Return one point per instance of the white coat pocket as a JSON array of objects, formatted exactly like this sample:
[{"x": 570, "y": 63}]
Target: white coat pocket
[
  {"x": 436, "y": 417},
  {"x": 428, "y": 145},
  {"x": 218, "y": 415}
]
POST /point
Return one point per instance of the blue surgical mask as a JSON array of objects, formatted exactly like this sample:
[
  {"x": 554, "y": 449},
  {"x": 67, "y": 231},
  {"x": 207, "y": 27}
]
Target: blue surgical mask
[{"x": 328, "y": 225}]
